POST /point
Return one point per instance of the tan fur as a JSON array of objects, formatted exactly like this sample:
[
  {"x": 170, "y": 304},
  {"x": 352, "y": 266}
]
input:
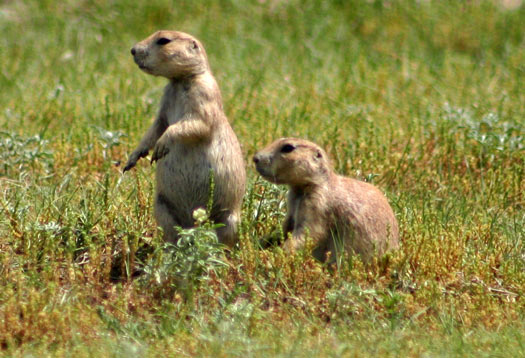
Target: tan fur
[
  {"x": 334, "y": 211},
  {"x": 191, "y": 138}
]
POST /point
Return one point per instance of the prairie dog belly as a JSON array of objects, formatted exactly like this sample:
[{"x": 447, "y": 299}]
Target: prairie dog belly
[{"x": 183, "y": 176}]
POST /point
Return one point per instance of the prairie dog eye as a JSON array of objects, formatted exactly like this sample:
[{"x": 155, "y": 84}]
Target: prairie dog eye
[
  {"x": 163, "y": 41},
  {"x": 287, "y": 148}
]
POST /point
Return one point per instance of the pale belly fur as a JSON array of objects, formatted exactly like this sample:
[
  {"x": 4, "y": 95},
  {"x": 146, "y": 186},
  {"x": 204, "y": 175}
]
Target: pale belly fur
[{"x": 183, "y": 177}]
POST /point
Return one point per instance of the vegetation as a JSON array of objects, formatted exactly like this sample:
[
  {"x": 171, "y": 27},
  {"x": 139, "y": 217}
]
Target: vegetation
[{"x": 423, "y": 98}]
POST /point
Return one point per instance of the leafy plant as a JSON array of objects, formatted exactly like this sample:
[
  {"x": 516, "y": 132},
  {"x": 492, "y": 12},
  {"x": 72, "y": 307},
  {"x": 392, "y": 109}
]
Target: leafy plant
[
  {"x": 182, "y": 266},
  {"x": 19, "y": 154}
]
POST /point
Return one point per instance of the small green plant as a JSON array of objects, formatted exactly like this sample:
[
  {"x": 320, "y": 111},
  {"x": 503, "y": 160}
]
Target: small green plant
[
  {"x": 181, "y": 266},
  {"x": 19, "y": 153},
  {"x": 108, "y": 139},
  {"x": 426, "y": 94}
]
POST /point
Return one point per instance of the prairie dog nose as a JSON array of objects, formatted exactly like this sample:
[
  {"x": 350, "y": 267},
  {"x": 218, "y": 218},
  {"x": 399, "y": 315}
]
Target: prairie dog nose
[
  {"x": 133, "y": 51},
  {"x": 256, "y": 159}
]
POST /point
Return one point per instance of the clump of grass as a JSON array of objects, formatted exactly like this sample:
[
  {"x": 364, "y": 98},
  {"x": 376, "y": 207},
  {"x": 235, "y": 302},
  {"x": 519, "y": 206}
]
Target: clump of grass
[{"x": 424, "y": 99}]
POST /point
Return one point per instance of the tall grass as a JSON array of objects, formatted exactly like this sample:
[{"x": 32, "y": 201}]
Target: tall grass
[{"x": 425, "y": 99}]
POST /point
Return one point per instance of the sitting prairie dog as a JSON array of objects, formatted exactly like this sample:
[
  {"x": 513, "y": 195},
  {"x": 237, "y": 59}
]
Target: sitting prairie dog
[
  {"x": 334, "y": 211},
  {"x": 192, "y": 141}
]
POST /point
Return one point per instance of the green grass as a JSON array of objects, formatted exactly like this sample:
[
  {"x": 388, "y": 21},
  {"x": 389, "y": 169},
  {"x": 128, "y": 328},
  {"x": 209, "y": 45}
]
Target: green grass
[{"x": 423, "y": 98}]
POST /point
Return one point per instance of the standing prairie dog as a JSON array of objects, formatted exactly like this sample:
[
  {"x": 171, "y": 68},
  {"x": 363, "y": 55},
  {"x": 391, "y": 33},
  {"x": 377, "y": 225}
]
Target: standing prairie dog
[
  {"x": 191, "y": 138},
  {"x": 334, "y": 211}
]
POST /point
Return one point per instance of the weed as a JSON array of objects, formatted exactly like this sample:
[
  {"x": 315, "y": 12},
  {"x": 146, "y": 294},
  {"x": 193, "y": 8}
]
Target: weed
[{"x": 422, "y": 98}]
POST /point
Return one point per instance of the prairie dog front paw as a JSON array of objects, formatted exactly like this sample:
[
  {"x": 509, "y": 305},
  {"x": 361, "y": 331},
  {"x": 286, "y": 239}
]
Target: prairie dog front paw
[
  {"x": 160, "y": 150},
  {"x": 134, "y": 157}
]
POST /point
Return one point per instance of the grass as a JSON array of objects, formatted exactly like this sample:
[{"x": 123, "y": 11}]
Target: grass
[{"x": 423, "y": 98}]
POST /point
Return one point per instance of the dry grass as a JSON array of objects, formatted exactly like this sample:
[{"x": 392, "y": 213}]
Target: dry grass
[{"x": 424, "y": 99}]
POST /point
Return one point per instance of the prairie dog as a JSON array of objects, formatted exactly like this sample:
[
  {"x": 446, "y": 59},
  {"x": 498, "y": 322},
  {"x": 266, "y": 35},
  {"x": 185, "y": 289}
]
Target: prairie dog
[
  {"x": 336, "y": 212},
  {"x": 192, "y": 141}
]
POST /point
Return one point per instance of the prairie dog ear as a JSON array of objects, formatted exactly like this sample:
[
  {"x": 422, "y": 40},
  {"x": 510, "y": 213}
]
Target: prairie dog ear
[{"x": 194, "y": 46}]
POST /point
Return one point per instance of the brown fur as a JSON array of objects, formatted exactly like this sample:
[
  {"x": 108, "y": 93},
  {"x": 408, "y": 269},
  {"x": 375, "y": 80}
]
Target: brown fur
[
  {"x": 334, "y": 211},
  {"x": 191, "y": 138}
]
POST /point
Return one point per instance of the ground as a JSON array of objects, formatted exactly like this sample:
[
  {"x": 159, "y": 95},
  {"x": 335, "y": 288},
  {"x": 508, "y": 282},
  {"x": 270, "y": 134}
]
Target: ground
[{"x": 425, "y": 99}]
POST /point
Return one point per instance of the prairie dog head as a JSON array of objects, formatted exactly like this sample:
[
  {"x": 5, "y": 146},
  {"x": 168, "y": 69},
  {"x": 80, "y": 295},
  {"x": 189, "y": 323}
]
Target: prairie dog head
[
  {"x": 170, "y": 54},
  {"x": 292, "y": 161}
]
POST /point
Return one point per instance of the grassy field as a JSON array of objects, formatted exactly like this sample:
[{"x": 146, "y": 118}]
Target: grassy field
[{"x": 426, "y": 99}]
